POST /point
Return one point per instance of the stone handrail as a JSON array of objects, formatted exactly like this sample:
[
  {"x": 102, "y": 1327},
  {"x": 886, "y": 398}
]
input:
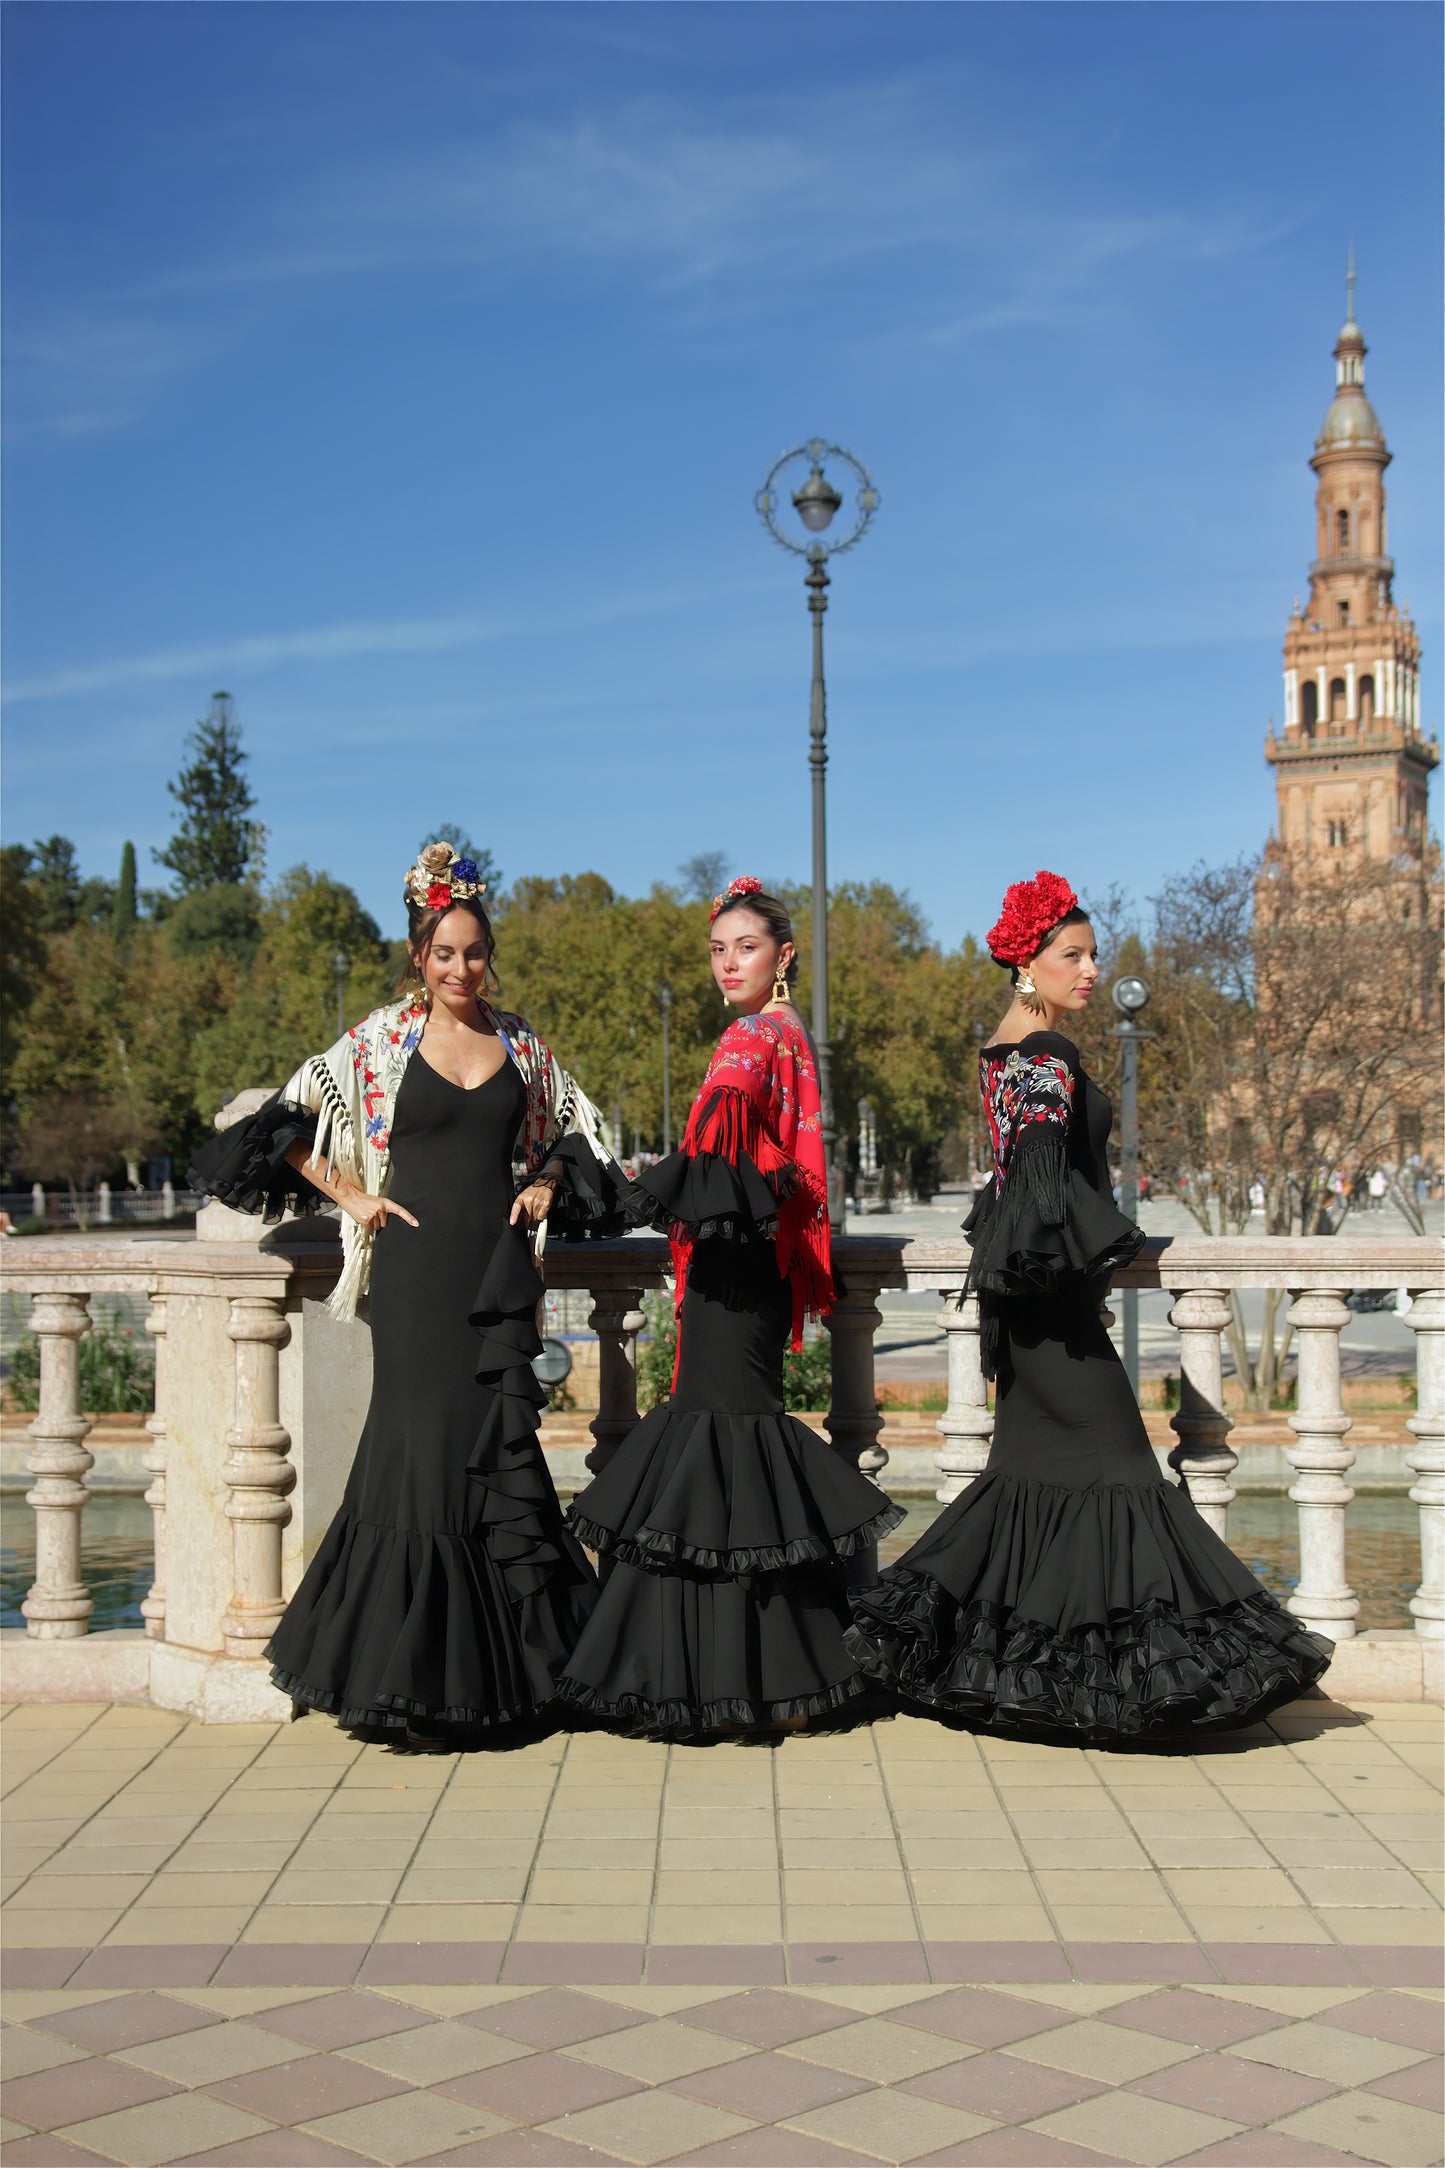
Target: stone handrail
[{"x": 260, "y": 1396}]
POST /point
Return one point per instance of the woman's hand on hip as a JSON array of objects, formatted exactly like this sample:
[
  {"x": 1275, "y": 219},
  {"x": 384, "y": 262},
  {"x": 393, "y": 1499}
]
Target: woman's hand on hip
[
  {"x": 533, "y": 1205},
  {"x": 372, "y": 1213}
]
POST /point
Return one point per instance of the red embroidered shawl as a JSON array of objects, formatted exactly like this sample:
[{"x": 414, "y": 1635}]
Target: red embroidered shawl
[{"x": 760, "y": 1096}]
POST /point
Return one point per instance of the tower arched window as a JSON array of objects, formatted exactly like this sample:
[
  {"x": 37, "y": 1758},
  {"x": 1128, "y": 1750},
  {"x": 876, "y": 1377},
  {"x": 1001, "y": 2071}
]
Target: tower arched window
[
  {"x": 1309, "y": 708},
  {"x": 1367, "y": 699},
  {"x": 1337, "y": 701},
  {"x": 1342, "y": 532}
]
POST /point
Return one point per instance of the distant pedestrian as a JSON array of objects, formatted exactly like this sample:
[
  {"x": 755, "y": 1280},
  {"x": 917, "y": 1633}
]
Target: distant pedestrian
[{"x": 1378, "y": 1184}]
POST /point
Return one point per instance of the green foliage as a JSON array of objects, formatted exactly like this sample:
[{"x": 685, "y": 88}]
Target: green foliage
[
  {"x": 656, "y": 1351},
  {"x": 224, "y": 919},
  {"x": 808, "y": 1375},
  {"x": 215, "y": 841},
  {"x": 117, "y": 1372},
  {"x": 124, "y": 911}
]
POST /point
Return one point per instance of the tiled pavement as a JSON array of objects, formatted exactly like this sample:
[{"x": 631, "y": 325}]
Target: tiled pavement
[{"x": 275, "y": 1946}]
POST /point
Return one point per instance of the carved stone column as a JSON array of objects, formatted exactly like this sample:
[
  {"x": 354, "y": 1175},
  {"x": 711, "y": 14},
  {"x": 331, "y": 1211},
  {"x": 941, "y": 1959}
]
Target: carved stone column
[
  {"x": 967, "y": 1422},
  {"x": 258, "y": 1473},
  {"x": 1426, "y": 1318},
  {"x": 1324, "y": 1598},
  {"x": 1203, "y": 1456},
  {"x": 57, "y": 1607},
  {"x": 853, "y": 1423},
  {"x": 153, "y": 1606},
  {"x": 617, "y": 1318}
]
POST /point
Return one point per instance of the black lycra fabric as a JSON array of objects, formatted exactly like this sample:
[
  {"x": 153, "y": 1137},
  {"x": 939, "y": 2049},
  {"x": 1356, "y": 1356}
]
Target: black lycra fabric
[
  {"x": 1072, "y": 1590},
  {"x": 447, "y": 1587}
]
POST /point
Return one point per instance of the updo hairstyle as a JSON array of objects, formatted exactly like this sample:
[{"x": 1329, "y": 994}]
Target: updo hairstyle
[{"x": 774, "y": 916}]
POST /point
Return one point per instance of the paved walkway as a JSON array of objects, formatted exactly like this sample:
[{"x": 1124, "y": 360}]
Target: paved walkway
[{"x": 272, "y": 1945}]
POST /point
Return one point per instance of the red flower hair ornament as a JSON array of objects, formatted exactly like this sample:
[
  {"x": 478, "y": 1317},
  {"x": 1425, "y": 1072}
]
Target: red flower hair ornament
[
  {"x": 746, "y": 884},
  {"x": 1031, "y": 910}
]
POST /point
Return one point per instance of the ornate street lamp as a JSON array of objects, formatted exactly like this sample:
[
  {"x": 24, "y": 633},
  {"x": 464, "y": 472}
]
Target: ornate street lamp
[
  {"x": 340, "y": 964},
  {"x": 664, "y": 1002},
  {"x": 1129, "y": 996},
  {"x": 817, "y": 503}
]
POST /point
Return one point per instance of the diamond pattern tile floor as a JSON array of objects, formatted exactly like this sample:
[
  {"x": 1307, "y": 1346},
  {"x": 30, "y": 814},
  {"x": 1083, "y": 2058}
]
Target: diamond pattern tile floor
[{"x": 1314, "y": 2042}]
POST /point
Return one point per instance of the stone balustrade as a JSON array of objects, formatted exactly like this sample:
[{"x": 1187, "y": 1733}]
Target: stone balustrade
[{"x": 260, "y": 1396}]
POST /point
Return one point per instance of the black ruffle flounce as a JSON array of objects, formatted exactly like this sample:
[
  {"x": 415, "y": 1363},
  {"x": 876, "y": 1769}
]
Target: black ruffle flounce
[
  {"x": 593, "y": 1196},
  {"x": 1107, "y": 1612},
  {"x": 729, "y": 1494},
  {"x": 246, "y": 1167},
  {"x": 684, "y": 1653},
  {"x": 466, "y": 1627},
  {"x": 1050, "y": 1229},
  {"x": 710, "y": 1195}
]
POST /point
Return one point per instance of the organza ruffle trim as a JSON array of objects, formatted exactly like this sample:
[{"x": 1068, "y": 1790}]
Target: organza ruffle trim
[
  {"x": 657, "y": 1550},
  {"x": 392, "y": 1713},
  {"x": 732, "y": 1712},
  {"x": 1153, "y": 1670}
]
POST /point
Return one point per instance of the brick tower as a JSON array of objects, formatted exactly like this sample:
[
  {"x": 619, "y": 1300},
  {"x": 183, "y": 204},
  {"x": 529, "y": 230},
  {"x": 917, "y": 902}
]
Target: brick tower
[{"x": 1352, "y": 769}]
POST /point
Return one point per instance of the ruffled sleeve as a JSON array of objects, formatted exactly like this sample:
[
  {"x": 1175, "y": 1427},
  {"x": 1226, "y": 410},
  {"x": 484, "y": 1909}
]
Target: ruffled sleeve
[
  {"x": 1042, "y": 1227},
  {"x": 593, "y": 1194},
  {"x": 246, "y": 1167}
]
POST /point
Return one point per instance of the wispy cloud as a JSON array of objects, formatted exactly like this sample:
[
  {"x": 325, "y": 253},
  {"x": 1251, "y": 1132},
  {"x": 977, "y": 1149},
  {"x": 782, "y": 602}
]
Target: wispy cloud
[
  {"x": 257, "y": 652},
  {"x": 719, "y": 217}
]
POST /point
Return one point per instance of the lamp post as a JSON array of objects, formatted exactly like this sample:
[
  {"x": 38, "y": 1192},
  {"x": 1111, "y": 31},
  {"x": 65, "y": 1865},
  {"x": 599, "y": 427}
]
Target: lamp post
[
  {"x": 664, "y": 1002},
  {"x": 340, "y": 964},
  {"x": 816, "y": 503},
  {"x": 1129, "y": 997}
]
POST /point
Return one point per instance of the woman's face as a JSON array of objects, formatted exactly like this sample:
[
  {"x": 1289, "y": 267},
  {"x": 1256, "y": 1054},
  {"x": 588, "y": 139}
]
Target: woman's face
[
  {"x": 1065, "y": 971},
  {"x": 454, "y": 963},
  {"x": 746, "y": 959}
]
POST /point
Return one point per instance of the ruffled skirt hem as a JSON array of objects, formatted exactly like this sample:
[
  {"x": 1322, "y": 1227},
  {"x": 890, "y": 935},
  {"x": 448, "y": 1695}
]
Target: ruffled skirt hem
[
  {"x": 393, "y": 1713},
  {"x": 659, "y": 1550},
  {"x": 728, "y": 1713},
  {"x": 1153, "y": 1671}
]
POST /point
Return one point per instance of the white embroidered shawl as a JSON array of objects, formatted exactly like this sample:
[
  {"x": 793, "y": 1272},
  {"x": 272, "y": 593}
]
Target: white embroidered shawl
[{"x": 352, "y": 1088}]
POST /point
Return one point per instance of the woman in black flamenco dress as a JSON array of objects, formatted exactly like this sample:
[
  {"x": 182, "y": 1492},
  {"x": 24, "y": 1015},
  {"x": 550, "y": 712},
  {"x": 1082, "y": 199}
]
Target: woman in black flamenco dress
[
  {"x": 447, "y": 1591},
  {"x": 1071, "y": 1591},
  {"x": 723, "y": 1524}
]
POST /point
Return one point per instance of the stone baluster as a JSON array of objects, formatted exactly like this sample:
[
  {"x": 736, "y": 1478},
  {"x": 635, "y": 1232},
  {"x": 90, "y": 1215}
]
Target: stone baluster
[
  {"x": 1203, "y": 1456},
  {"x": 1324, "y": 1598},
  {"x": 967, "y": 1422},
  {"x": 258, "y": 1473},
  {"x": 854, "y": 1423},
  {"x": 617, "y": 1318},
  {"x": 153, "y": 1606},
  {"x": 1426, "y": 1318},
  {"x": 57, "y": 1607}
]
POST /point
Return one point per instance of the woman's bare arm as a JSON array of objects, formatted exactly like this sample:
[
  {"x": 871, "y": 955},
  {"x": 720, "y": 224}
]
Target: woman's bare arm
[{"x": 372, "y": 1212}]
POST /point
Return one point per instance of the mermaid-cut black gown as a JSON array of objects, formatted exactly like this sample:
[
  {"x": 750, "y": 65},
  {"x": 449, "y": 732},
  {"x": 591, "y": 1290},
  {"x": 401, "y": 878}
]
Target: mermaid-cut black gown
[
  {"x": 447, "y": 1587},
  {"x": 723, "y": 1523},
  {"x": 1072, "y": 1590}
]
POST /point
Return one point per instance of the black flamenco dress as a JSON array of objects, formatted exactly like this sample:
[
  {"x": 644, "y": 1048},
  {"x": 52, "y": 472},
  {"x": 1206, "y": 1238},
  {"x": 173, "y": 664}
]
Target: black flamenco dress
[
  {"x": 723, "y": 1524},
  {"x": 1071, "y": 1591},
  {"x": 447, "y": 1588}
]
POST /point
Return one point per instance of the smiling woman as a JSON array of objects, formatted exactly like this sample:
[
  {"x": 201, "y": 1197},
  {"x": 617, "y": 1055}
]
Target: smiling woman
[{"x": 447, "y": 1591}]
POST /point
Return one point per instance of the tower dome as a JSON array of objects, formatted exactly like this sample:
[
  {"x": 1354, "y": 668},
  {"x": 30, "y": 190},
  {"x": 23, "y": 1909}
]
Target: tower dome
[{"x": 1351, "y": 418}]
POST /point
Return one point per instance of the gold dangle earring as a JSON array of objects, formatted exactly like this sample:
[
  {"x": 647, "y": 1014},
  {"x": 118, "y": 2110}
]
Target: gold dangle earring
[
  {"x": 1028, "y": 993},
  {"x": 781, "y": 989}
]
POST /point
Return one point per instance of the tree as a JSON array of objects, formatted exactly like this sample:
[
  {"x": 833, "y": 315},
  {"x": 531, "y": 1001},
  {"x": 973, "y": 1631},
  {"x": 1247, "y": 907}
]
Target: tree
[
  {"x": 1285, "y": 1053},
  {"x": 215, "y": 841},
  {"x": 124, "y": 913},
  {"x": 76, "y": 1139},
  {"x": 54, "y": 879},
  {"x": 224, "y": 919},
  {"x": 704, "y": 876}
]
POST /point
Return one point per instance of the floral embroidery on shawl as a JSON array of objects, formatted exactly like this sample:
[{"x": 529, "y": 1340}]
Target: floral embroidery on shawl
[
  {"x": 1020, "y": 1090},
  {"x": 760, "y": 1096}
]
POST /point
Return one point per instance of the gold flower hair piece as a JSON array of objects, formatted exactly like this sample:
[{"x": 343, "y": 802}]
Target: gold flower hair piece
[{"x": 440, "y": 878}]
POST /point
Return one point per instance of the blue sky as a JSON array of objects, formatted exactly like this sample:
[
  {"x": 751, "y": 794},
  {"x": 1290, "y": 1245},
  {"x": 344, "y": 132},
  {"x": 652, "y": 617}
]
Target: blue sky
[{"x": 409, "y": 370}]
